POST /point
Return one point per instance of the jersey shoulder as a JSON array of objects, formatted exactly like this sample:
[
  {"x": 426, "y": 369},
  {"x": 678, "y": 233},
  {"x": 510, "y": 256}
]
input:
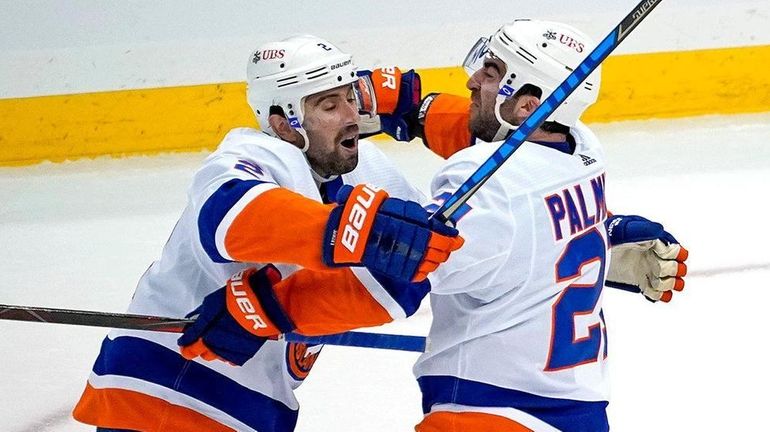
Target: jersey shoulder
[
  {"x": 462, "y": 164},
  {"x": 586, "y": 140},
  {"x": 251, "y": 143},
  {"x": 248, "y": 154},
  {"x": 532, "y": 167}
]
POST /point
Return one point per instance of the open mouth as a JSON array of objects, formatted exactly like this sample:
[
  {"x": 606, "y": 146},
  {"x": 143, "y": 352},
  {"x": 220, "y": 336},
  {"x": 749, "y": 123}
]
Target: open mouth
[{"x": 349, "y": 143}]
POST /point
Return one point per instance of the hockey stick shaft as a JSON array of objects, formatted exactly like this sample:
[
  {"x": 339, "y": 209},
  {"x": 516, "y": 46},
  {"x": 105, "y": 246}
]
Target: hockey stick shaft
[
  {"x": 512, "y": 143},
  {"x": 176, "y": 325}
]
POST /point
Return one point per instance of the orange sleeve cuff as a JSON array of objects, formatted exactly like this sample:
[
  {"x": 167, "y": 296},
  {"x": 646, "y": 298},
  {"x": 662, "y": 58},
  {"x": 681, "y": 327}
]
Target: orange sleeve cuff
[
  {"x": 328, "y": 302},
  {"x": 279, "y": 226},
  {"x": 446, "y": 125}
]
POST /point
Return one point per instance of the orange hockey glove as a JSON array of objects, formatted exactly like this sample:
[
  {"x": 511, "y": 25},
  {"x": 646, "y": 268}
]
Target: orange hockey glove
[
  {"x": 234, "y": 322},
  {"x": 394, "y": 237},
  {"x": 397, "y": 97}
]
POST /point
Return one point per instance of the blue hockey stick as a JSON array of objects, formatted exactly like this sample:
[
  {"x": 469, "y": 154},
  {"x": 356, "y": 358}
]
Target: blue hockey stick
[
  {"x": 510, "y": 145},
  {"x": 364, "y": 340}
]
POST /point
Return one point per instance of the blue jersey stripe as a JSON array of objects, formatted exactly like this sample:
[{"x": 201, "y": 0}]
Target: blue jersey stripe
[
  {"x": 214, "y": 210},
  {"x": 138, "y": 358},
  {"x": 564, "y": 414},
  {"x": 329, "y": 190}
]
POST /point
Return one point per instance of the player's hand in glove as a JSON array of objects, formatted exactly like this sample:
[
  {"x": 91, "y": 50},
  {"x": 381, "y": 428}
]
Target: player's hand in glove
[
  {"x": 645, "y": 257},
  {"x": 388, "y": 235},
  {"x": 234, "y": 322},
  {"x": 397, "y": 97}
]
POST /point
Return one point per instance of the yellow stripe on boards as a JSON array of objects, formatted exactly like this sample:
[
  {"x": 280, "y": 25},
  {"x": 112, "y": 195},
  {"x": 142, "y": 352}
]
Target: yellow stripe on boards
[
  {"x": 683, "y": 84},
  {"x": 149, "y": 121},
  {"x": 662, "y": 85},
  {"x": 118, "y": 123}
]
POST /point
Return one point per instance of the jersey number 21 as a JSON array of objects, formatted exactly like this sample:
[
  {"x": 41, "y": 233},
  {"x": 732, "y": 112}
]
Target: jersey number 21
[{"x": 579, "y": 298}]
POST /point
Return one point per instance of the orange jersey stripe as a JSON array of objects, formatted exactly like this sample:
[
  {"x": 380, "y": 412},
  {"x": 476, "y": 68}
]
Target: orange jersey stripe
[
  {"x": 126, "y": 409},
  {"x": 444, "y": 421},
  {"x": 328, "y": 302},
  {"x": 279, "y": 226},
  {"x": 446, "y": 125}
]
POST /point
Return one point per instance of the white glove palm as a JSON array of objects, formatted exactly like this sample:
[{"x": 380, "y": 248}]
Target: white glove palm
[{"x": 652, "y": 266}]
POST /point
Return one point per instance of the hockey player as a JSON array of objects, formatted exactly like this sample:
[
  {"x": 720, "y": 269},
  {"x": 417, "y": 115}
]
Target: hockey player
[
  {"x": 645, "y": 255},
  {"x": 529, "y": 289},
  {"x": 259, "y": 198},
  {"x": 528, "y": 284}
]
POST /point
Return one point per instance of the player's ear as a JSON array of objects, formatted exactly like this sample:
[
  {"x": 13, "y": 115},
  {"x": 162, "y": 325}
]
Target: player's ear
[
  {"x": 283, "y": 129},
  {"x": 525, "y": 105}
]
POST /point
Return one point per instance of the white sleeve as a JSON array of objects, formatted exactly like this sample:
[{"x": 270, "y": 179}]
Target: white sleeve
[{"x": 488, "y": 227}]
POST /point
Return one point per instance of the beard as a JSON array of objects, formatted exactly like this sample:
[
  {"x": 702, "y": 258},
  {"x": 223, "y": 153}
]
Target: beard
[
  {"x": 337, "y": 161},
  {"x": 332, "y": 163},
  {"x": 483, "y": 125}
]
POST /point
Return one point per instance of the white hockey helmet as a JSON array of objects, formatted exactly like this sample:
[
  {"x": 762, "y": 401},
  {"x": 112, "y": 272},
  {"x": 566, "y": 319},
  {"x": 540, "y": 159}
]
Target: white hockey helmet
[
  {"x": 281, "y": 74},
  {"x": 541, "y": 53}
]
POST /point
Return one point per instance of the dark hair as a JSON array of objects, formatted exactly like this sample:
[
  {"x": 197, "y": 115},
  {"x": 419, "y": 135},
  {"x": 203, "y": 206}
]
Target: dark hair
[{"x": 275, "y": 109}]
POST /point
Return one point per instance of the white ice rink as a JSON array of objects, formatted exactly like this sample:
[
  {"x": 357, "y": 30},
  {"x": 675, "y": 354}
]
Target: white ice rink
[{"x": 78, "y": 235}]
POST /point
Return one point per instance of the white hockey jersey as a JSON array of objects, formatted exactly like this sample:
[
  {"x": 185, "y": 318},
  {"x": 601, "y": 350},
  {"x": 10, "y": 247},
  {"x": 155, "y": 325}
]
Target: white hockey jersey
[
  {"x": 140, "y": 381},
  {"x": 518, "y": 329}
]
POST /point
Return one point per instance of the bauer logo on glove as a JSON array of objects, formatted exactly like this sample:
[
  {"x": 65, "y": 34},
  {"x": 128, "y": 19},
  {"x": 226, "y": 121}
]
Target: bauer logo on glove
[
  {"x": 355, "y": 219},
  {"x": 234, "y": 322},
  {"x": 391, "y": 236}
]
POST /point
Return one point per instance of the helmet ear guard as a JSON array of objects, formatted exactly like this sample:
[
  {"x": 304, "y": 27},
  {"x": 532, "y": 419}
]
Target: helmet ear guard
[{"x": 543, "y": 54}]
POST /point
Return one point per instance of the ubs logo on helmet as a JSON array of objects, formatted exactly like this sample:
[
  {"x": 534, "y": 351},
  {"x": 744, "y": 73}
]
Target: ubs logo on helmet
[
  {"x": 565, "y": 40},
  {"x": 572, "y": 43},
  {"x": 268, "y": 54}
]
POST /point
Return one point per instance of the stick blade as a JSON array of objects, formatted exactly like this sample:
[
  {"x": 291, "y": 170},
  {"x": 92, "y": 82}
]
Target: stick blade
[{"x": 92, "y": 319}]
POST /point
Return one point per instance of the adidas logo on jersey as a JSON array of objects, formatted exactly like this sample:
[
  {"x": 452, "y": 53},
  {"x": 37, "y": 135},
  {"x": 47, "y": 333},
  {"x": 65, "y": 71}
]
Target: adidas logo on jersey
[{"x": 587, "y": 160}]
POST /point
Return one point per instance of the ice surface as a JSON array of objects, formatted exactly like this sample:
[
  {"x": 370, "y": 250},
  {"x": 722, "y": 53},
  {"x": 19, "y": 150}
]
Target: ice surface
[{"x": 79, "y": 235}]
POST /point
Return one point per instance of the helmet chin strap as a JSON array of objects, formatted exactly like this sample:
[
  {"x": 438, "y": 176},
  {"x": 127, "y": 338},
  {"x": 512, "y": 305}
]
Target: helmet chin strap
[
  {"x": 301, "y": 130},
  {"x": 305, "y": 139},
  {"x": 317, "y": 177},
  {"x": 505, "y": 127}
]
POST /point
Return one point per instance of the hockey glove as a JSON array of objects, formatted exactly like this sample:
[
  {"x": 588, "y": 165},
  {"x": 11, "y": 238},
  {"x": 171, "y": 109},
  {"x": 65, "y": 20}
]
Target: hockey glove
[
  {"x": 388, "y": 235},
  {"x": 234, "y": 322},
  {"x": 645, "y": 257},
  {"x": 397, "y": 98}
]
